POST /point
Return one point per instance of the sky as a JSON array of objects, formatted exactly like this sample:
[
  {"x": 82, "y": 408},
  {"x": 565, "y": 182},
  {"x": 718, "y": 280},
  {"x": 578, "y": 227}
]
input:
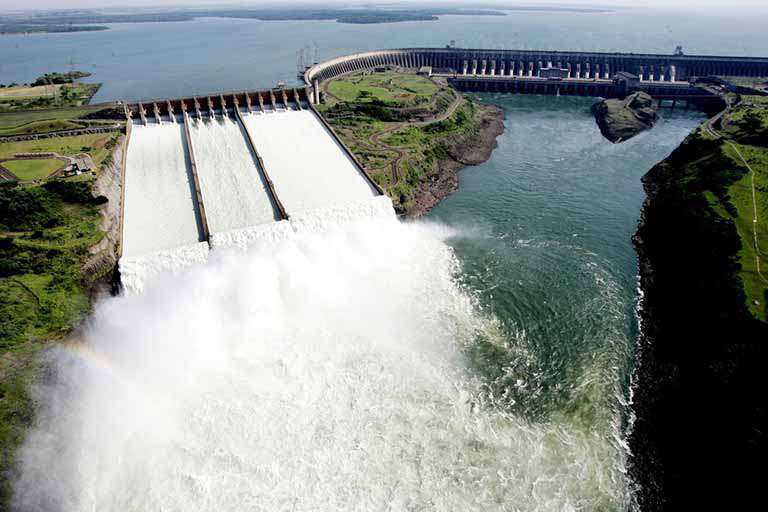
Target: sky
[{"x": 7, "y": 5}]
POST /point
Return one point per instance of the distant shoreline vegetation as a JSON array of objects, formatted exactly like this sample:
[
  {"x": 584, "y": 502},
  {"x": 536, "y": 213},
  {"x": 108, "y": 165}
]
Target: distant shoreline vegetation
[
  {"x": 87, "y": 20},
  {"x": 24, "y": 28}
]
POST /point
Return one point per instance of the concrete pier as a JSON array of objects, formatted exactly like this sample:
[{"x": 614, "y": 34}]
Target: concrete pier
[{"x": 196, "y": 179}]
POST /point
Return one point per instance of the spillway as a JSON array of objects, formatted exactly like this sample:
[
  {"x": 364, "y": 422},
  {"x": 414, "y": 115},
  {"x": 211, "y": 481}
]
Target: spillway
[
  {"x": 308, "y": 167},
  {"x": 160, "y": 209},
  {"x": 233, "y": 189}
]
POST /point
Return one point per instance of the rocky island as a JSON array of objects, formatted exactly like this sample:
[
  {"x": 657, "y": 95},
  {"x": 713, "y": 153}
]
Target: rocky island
[{"x": 620, "y": 120}]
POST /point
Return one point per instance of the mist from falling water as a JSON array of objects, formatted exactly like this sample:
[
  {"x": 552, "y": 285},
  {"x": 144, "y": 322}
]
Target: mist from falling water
[{"x": 322, "y": 371}]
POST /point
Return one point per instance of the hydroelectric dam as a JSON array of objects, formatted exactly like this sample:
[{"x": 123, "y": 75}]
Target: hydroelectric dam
[{"x": 225, "y": 169}]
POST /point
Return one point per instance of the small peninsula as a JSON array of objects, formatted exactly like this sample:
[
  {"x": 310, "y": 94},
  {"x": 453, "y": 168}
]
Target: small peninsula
[
  {"x": 622, "y": 119},
  {"x": 412, "y": 133}
]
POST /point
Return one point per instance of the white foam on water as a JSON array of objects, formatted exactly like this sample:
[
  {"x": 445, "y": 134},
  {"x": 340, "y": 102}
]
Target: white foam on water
[
  {"x": 159, "y": 199},
  {"x": 137, "y": 272},
  {"x": 323, "y": 218},
  {"x": 234, "y": 194},
  {"x": 323, "y": 371},
  {"x": 307, "y": 166},
  {"x": 246, "y": 237},
  {"x": 314, "y": 221}
]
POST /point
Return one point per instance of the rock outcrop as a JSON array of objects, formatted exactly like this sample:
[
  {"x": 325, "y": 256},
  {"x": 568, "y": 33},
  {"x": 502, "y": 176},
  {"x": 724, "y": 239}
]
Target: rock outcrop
[{"x": 620, "y": 120}]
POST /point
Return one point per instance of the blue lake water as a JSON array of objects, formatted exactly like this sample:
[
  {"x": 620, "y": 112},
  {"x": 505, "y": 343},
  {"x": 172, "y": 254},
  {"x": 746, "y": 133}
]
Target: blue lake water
[{"x": 153, "y": 60}]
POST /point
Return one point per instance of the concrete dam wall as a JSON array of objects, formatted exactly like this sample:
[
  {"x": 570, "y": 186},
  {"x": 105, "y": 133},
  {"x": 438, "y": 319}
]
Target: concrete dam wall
[
  {"x": 530, "y": 63},
  {"x": 607, "y": 75}
]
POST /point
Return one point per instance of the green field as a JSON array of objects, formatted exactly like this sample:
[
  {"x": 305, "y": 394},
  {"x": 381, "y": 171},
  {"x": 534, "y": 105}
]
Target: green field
[
  {"x": 389, "y": 87},
  {"x": 98, "y": 145},
  {"x": 34, "y": 168},
  {"x": 41, "y": 121},
  {"x": 740, "y": 193}
]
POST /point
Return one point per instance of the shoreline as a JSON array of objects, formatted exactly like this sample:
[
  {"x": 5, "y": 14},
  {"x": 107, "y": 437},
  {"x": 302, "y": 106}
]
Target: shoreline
[{"x": 465, "y": 152}]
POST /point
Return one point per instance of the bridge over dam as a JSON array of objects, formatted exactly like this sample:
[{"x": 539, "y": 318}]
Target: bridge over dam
[
  {"x": 213, "y": 171},
  {"x": 665, "y": 77}
]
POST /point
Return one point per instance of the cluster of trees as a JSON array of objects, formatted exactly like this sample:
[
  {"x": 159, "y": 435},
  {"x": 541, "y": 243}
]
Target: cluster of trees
[
  {"x": 60, "y": 78},
  {"x": 51, "y": 79}
]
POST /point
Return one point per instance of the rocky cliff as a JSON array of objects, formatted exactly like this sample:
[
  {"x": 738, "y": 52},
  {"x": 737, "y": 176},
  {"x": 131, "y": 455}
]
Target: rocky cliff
[{"x": 699, "y": 440}]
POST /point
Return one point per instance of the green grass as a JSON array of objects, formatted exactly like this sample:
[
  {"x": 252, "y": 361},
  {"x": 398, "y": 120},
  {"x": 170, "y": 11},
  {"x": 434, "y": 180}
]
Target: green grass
[
  {"x": 33, "y": 121},
  {"x": 49, "y": 125},
  {"x": 740, "y": 193},
  {"x": 98, "y": 145},
  {"x": 755, "y": 99},
  {"x": 389, "y": 87},
  {"x": 368, "y": 104},
  {"x": 33, "y": 169}
]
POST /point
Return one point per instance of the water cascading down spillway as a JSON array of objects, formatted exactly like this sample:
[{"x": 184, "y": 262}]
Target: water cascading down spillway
[
  {"x": 226, "y": 158},
  {"x": 162, "y": 225}
]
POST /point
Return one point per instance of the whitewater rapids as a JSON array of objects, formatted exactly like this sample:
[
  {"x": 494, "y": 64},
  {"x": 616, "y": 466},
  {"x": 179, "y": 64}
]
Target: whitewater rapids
[{"x": 321, "y": 371}]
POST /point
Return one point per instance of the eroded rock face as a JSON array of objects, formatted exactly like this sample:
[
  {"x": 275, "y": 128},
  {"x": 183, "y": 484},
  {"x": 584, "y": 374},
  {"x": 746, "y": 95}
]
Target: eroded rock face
[{"x": 620, "y": 120}]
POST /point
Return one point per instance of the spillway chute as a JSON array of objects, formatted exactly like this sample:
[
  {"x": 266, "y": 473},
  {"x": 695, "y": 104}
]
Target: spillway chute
[{"x": 230, "y": 175}]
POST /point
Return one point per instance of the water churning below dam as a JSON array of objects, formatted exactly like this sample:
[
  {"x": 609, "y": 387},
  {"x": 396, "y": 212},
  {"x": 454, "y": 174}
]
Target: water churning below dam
[{"x": 320, "y": 370}]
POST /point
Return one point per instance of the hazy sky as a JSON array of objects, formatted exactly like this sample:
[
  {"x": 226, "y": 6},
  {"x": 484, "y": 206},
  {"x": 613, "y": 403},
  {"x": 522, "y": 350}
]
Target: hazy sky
[{"x": 668, "y": 4}]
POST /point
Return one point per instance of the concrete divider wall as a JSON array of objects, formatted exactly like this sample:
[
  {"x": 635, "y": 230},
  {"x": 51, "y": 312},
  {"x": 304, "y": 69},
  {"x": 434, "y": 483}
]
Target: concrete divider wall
[
  {"x": 262, "y": 167},
  {"x": 196, "y": 179},
  {"x": 124, "y": 163}
]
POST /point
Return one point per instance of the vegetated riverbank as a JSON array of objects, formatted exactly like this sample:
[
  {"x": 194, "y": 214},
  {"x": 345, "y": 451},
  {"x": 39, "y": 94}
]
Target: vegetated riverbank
[
  {"x": 700, "y": 434},
  {"x": 57, "y": 252},
  {"x": 411, "y": 133}
]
